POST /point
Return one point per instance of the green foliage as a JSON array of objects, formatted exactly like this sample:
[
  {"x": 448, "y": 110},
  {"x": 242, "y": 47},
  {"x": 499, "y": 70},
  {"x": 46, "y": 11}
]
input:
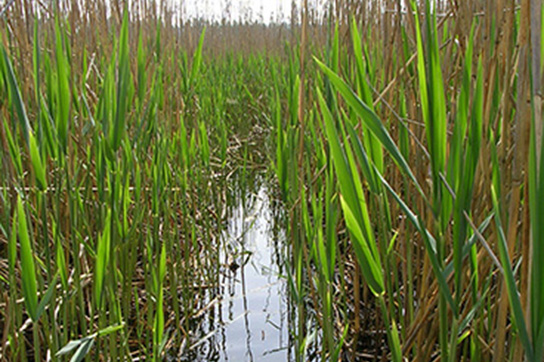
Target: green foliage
[
  {"x": 390, "y": 156},
  {"x": 28, "y": 266}
]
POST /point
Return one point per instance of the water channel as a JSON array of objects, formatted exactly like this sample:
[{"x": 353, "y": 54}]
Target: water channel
[{"x": 250, "y": 316}]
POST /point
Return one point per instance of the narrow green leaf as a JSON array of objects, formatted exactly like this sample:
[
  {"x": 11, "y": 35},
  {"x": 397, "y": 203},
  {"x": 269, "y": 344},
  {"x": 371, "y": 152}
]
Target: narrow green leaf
[
  {"x": 28, "y": 269},
  {"x": 102, "y": 260},
  {"x": 372, "y": 122},
  {"x": 197, "y": 58},
  {"x": 158, "y": 328},
  {"x": 46, "y": 297},
  {"x": 511, "y": 287},
  {"x": 14, "y": 150},
  {"x": 354, "y": 206},
  {"x": 37, "y": 164},
  {"x": 83, "y": 350},
  {"x": 396, "y": 351},
  {"x": 110, "y": 330},
  {"x": 15, "y": 95},
  {"x": 70, "y": 346},
  {"x": 369, "y": 265}
]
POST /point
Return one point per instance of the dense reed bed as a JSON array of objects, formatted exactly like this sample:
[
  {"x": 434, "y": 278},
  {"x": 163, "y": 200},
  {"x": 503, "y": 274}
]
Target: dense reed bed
[
  {"x": 119, "y": 155},
  {"x": 404, "y": 140},
  {"x": 415, "y": 207}
]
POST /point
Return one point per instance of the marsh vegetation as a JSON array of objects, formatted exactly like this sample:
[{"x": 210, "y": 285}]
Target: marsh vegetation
[{"x": 363, "y": 183}]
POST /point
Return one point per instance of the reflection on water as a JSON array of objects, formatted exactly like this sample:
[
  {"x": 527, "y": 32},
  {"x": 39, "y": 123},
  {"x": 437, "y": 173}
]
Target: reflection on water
[{"x": 249, "y": 317}]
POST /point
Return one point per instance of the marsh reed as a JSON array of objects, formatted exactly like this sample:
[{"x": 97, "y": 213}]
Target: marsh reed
[{"x": 404, "y": 139}]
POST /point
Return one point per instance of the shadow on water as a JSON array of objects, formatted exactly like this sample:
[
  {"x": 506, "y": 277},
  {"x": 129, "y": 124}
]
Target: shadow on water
[{"x": 248, "y": 315}]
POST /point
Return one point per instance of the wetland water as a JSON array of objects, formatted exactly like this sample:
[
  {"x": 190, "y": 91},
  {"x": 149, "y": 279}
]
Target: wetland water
[{"x": 250, "y": 316}]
